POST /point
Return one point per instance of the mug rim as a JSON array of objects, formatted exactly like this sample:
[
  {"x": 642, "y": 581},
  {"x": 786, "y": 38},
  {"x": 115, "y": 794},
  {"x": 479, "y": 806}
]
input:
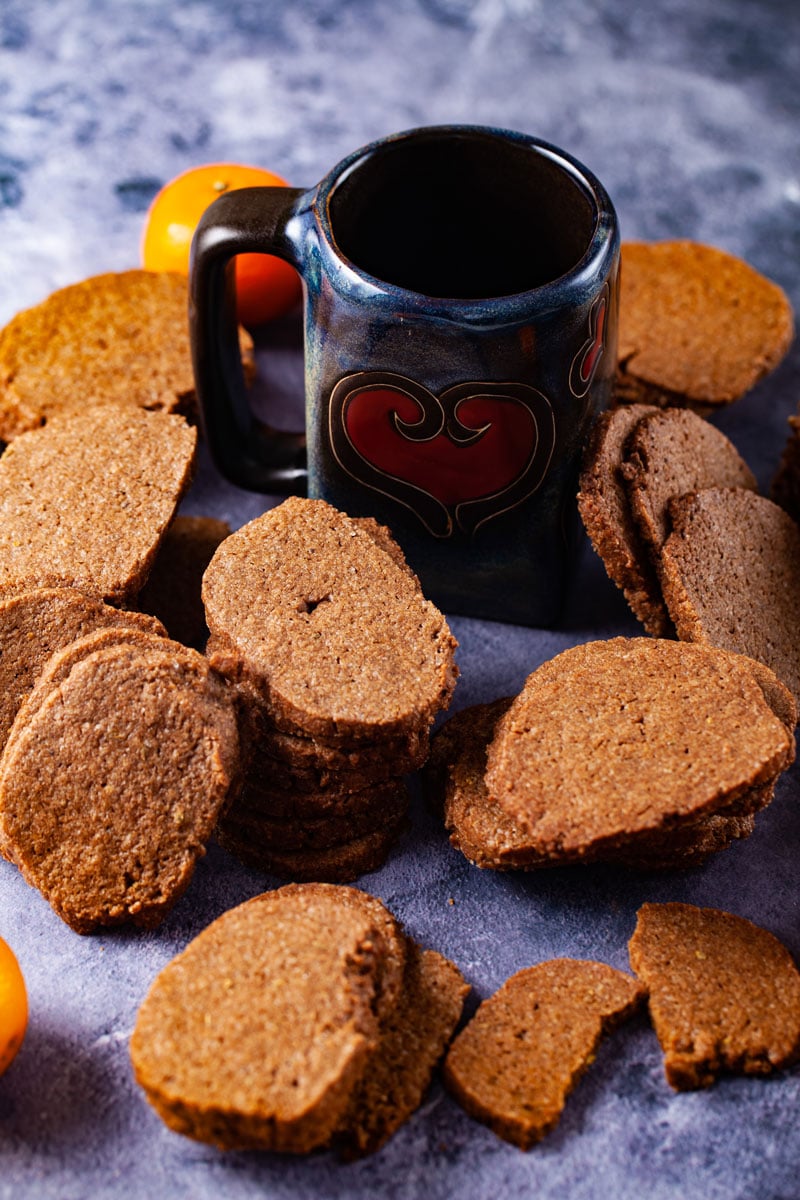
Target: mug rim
[{"x": 581, "y": 279}]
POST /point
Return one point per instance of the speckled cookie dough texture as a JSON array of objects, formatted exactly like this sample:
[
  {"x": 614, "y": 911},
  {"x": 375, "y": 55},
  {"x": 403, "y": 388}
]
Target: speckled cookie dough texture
[
  {"x": 303, "y": 1018},
  {"x": 173, "y": 589},
  {"x": 731, "y": 577},
  {"x": 697, "y": 326},
  {"x": 111, "y": 784},
  {"x": 619, "y": 740},
  {"x": 332, "y": 636},
  {"x": 85, "y": 501},
  {"x": 120, "y": 337},
  {"x": 513, "y": 1066},
  {"x": 724, "y": 993}
]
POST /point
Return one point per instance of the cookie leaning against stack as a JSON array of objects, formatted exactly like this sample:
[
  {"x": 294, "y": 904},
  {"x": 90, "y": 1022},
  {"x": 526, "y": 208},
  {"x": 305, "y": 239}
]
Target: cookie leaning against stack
[
  {"x": 342, "y": 665},
  {"x": 671, "y": 509},
  {"x": 646, "y": 753},
  {"x": 328, "y": 1022}
]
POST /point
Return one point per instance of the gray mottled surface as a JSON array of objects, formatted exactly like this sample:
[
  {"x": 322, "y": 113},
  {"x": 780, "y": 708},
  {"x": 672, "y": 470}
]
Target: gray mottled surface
[{"x": 689, "y": 112}]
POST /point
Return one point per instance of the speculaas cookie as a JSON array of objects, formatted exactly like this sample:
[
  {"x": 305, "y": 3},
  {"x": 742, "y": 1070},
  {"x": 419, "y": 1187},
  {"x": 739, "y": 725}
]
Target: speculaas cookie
[
  {"x": 481, "y": 829},
  {"x": 785, "y": 489},
  {"x": 34, "y": 625},
  {"x": 298, "y": 805},
  {"x": 513, "y": 1066},
  {"x": 607, "y": 517},
  {"x": 340, "y": 863},
  {"x": 724, "y": 993},
  {"x": 309, "y": 986},
  {"x": 731, "y": 577},
  {"x": 172, "y": 591},
  {"x": 697, "y": 326},
  {"x": 638, "y": 460},
  {"x": 625, "y": 739},
  {"x": 413, "y": 1039},
  {"x": 112, "y": 787},
  {"x": 85, "y": 501},
  {"x": 317, "y": 620},
  {"x": 120, "y": 338}
]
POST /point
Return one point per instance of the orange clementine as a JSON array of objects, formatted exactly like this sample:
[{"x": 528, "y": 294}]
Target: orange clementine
[
  {"x": 13, "y": 1006},
  {"x": 266, "y": 286}
]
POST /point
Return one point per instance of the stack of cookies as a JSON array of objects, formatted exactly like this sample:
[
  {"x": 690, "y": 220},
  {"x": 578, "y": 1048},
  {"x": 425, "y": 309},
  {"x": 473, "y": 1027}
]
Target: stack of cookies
[
  {"x": 328, "y": 1022},
  {"x": 672, "y": 510},
  {"x": 648, "y": 753},
  {"x": 341, "y": 665}
]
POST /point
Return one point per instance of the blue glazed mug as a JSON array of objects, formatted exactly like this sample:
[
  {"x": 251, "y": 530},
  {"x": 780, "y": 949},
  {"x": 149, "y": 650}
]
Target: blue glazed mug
[{"x": 460, "y": 293}]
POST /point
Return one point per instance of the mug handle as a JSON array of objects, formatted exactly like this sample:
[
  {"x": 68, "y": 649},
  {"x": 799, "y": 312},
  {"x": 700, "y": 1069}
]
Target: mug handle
[{"x": 246, "y": 451}]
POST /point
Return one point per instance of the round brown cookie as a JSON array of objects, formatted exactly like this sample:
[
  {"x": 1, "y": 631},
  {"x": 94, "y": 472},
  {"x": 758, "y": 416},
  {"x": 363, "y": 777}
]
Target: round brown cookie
[
  {"x": 481, "y": 829},
  {"x": 785, "y": 489},
  {"x": 412, "y": 1040},
  {"x": 172, "y": 591},
  {"x": 293, "y": 985},
  {"x": 34, "y": 625},
  {"x": 390, "y": 756},
  {"x": 85, "y": 501},
  {"x": 117, "y": 337},
  {"x": 113, "y": 786},
  {"x": 244, "y": 821},
  {"x": 336, "y": 864},
  {"x": 286, "y": 805},
  {"x": 628, "y": 737},
  {"x": 272, "y": 774},
  {"x": 669, "y": 454},
  {"x": 382, "y": 537},
  {"x": 724, "y": 993},
  {"x": 731, "y": 577},
  {"x": 606, "y": 514},
  {"x": 513, "y": 1066},
  {"x": 697, "y": 326},
  {"x": 318, "y": 621}
]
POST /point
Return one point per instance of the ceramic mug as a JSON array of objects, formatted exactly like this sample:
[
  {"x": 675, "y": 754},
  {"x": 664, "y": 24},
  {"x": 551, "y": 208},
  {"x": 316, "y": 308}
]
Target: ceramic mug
[{"x": 460, "y": 294}]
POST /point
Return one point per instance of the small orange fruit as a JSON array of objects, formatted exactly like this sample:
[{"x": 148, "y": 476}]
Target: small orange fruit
[
  {"x": 13, "y": 1006},
  {"x": 266, "y": 286}
]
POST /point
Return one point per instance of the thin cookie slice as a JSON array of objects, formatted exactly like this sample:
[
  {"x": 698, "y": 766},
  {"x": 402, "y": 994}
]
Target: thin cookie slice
[
  {"x": 697, "y": 326},
  {"x": 669, "y": 454},
  {"x": 111, "y": 789},
  {"x": 172, "y": 591},
  {"x": 513, "y": 1066},
  {"x": 336, "y": 864},
  {"x": 392, "y": 756},
  {"x": 288, "y": 804},
  {"x": 34, "y": 625},
  {"x": 628, "y": 738},
  {"x": 412, "y": 1041},
  {"x": 724, "y": 993},
  {"x": 118, "y": 338},
  {"x": 606, "y": 514},
  {"x": 731, "y": 577},
  {"x": 295, "y": 982},
  {"x": 322, "y": 627},
  {"x": 785, "y": 489},
  {"x": 85, "y": 501}
]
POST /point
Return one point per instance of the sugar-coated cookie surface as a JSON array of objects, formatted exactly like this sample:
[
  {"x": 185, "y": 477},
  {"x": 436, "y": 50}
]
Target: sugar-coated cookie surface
[
  {"x": 297, "y": 981},
  {"x": 731, "y": 577},
  {"x": 121, "y": 337},
  {"x": 85, "y": 501},
  {"x": 513, "y": 1066},
  {"x": 111, "y": 788},
  {"x": 697, "y": 326},
  {"x": 332, "y": 635},
  {"x": 620, "y": 738},
  {"x": 724, "y": 993}
]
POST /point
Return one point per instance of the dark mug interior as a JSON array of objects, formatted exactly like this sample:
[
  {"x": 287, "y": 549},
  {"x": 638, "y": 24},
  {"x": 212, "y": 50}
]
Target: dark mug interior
[{"x": 462, "y": 214}]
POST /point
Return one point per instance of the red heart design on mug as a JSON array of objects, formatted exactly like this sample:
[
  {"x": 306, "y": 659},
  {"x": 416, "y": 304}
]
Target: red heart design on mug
[{"x": 460, "y": 458}]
